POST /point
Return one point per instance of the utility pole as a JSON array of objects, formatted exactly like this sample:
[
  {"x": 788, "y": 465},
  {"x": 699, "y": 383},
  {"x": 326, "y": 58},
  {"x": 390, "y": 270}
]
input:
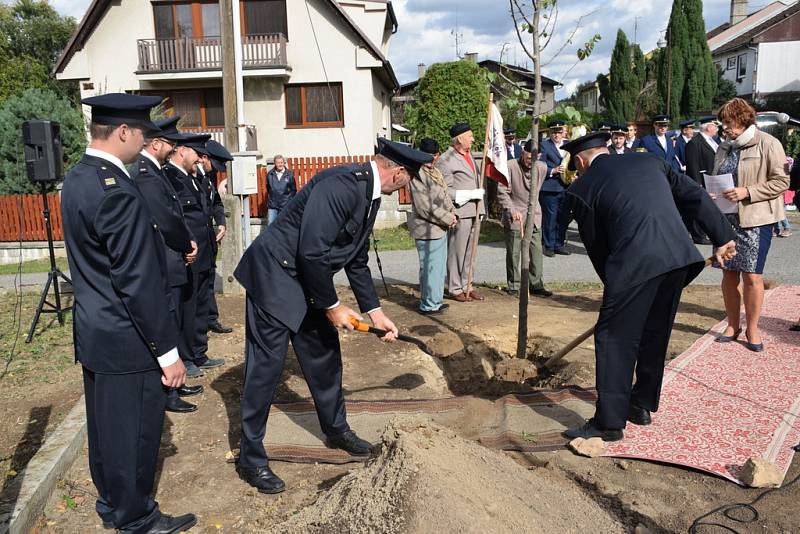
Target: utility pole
[{"x": 231, "y": 247}]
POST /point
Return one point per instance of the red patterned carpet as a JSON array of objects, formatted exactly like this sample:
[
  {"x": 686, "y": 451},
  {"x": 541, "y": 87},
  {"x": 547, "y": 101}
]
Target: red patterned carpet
[{"x": 722, "y": 404}]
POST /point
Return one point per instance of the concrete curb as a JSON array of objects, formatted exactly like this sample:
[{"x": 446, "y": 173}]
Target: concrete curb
[{"x": 35, "y": 484}]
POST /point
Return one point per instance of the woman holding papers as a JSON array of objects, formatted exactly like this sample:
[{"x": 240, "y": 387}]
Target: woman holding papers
[{"x": 756, "y": 162}]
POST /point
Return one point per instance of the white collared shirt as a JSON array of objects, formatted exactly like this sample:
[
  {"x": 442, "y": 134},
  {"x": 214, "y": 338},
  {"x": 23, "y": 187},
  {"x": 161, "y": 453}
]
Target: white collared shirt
[
  {"x": 710, "y": 140},
  {"x": 111, "y": 158},
  {"x": 662, "y": 139},
  {"x": 183, "y": 171},
  {"x": 152, "y": 158},
  {"x": 171, "y": 356}
]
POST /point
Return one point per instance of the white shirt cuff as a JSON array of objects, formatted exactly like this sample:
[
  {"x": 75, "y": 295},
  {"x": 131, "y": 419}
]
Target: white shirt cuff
[
  {"x": 165, "y": 360},
  {"x": 373, "y": 310},
  {"x": 332, "y": 307}
]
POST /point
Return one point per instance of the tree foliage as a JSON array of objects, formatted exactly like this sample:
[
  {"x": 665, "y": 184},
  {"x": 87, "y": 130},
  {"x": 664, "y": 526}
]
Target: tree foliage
[
  {"x": 451, "y": 92},
  {"x": 36, "y": 104},
  {"x": 686, "y": 74},
  {"x": 622, "y": 88},
  {"x": 726, "y": 89}
]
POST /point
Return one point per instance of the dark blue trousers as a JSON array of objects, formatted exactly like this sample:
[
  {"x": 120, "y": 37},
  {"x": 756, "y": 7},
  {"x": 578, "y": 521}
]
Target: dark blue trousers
[
  {"x": 554, "y": 232},
  {"x": 316, "y": 345},
  {"x": 124, "y": 419}
]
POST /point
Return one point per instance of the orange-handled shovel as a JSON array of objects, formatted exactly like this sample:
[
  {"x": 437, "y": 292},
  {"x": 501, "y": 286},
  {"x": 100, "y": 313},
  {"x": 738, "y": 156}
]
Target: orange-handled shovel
[{"x": 364, "y": 327}]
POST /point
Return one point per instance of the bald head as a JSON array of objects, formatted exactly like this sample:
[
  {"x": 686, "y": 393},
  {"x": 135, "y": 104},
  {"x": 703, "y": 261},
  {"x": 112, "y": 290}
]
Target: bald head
[{"x": 584, "y": 158}]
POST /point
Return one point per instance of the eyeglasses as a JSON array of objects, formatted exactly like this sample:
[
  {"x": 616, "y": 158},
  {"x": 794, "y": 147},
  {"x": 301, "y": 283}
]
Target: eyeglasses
[{"x": 168, "y": 142}]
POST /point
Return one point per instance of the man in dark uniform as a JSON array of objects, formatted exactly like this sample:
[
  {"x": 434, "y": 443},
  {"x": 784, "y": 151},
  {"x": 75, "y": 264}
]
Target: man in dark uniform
[
  {"x": 213, "y": 158},
  {"x": 124, "y": 327},
  {"x": 700, "y": 153},
  {"x": 179, "y": 246},
  {"x": 618, "y": 145},
  {"x": 513, "y": 149},
  {"x": 288, "y": 274},
  {"x": 180, "y": 172},
  {"x": 551, "y": 197},
  {"x": 659, "y": 143},
  {"x": 686, "y": 135},
  {"x": 628, "y": 208}
]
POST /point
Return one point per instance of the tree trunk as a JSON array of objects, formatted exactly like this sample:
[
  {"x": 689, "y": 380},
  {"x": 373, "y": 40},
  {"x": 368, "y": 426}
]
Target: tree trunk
[{"x": 522, "y": 330}]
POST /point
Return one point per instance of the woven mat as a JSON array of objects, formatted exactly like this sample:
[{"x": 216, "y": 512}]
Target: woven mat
[{"x": 722, "y": 404}]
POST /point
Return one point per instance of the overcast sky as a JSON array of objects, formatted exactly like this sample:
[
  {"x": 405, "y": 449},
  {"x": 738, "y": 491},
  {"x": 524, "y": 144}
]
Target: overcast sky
[{"x": 427, "y": 31}]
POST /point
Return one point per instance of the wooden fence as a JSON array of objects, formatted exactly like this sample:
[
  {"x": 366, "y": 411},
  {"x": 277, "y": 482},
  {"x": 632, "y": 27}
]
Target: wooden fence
[{"x": 30, "y": 225}]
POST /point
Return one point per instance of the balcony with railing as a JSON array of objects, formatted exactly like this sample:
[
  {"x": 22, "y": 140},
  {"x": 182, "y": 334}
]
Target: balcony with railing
[{"x": 159, "y": 56}]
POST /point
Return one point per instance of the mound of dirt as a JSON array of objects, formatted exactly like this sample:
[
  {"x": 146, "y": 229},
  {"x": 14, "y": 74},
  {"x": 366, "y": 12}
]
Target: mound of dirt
[{"x": 426, "y": 479}]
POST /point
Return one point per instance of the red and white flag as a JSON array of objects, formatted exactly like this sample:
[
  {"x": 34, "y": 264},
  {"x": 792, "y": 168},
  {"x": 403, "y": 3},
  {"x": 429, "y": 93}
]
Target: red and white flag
[{"x": 496, "y": 153}]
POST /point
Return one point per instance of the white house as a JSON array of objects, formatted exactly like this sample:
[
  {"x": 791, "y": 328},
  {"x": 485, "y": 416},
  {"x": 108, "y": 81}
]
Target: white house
[
  {"x": 758, "y": 51},
  {"x": 316, "y": 78}
]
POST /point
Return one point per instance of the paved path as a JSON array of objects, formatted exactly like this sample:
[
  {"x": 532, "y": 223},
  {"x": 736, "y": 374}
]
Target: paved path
[{"x": 783, "y": 265}]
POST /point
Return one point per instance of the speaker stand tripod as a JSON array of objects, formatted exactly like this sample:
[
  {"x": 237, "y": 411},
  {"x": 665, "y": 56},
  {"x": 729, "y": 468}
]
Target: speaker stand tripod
[{"x": 52, "y": 278}]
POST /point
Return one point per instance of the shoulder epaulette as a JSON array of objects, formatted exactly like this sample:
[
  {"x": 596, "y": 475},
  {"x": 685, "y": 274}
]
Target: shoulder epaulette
[{"x": 108, "y": 180}]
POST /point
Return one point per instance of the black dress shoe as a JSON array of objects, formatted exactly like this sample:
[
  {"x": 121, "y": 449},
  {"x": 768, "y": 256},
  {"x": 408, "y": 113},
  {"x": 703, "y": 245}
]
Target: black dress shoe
[
  {"x": 219, "y": 328},
  {"x": 590, "y": 430},
  {"x": 187, "y": 390},
  {"x": 349, "y": 442},
  {"x": 542, "y": 292},
  {"x": 167, "y": 524},
  {"x": 210, "y": 363},
  {"x": 441, "y": 309},
  {"x": 179, "y": 406},
  {"x": 562, "y": 252},
  {"x": 639, "y": 416},
  {"x": 512, "y": 292},
  {"x": 261, "y": 478},
  {"x": 549, "y": 253}
]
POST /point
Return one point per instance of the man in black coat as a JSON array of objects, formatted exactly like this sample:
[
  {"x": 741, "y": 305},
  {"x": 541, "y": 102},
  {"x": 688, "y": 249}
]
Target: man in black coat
[
  {"x": 288, "y": 274},
  {"x": 125, "y": 333},
  {"x": 213, "y": 157},
  {"x": 618, "y": 146},
  {"x": 179, "y": 246},
  {"x": 700, "y": 153},
  {"x": 628, "y": 209},
  {"x": 196, "y": 212}
]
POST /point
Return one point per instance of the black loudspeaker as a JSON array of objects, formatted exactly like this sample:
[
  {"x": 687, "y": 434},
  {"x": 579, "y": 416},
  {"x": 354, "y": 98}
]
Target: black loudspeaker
[{"x": 44, "y": 155}]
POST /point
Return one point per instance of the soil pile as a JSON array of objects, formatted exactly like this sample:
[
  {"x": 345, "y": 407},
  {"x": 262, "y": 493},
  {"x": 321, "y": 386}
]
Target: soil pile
[{"x": 426, "y": 479}]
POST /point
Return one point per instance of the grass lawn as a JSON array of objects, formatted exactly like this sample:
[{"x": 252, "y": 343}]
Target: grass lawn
[
  {"x": 34, "y": 266},
  {"x": 399, "y": 238}
]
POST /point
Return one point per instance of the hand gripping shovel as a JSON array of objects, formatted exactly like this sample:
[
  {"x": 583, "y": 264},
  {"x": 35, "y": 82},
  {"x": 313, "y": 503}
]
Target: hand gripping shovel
[{"x": 364, "y": 327}]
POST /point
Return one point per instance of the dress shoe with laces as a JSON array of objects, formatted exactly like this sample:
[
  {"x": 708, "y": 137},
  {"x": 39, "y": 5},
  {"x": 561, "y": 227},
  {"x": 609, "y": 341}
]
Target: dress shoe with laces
[
  {"x": 461, "y": 297},
  {"x": 261, "y": 478},
  {"x": 542, "y": 292},
  {"x": 349, "y": 442},
  {"x": 474, "y": 295},
  {"x": 549, "y": 253},
  {"x": 178, "y": 405},
  {"x": 167, "y": 524},
  {"x": 562, "y": 252},
  {"x": 512, "y": 292},
  {"x": 639, "y": 416},
  {"x": 187, "y": 391},
  {"x": 210, "y": 363},
  {"x": 219, "y": 328},
  {"x": 591, "y": 430}
]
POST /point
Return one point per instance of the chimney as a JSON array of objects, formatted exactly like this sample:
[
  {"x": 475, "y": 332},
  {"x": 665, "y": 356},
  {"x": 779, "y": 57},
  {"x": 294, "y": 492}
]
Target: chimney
[
  {"x": 738, "y": 11},
  {"x": 471, "y": 56},
  {"x": 421, "y": 70}
]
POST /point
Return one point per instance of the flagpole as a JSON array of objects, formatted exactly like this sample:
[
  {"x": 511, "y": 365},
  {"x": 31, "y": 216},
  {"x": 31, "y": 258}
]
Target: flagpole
[{"x": 476, "y": 224}]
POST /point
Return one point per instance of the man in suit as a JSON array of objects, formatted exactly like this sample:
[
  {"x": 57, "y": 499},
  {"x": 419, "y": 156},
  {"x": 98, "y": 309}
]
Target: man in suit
[
  {"x": 513, "y": 198},
  {"x": 551, "y": 197},
  {"x": 631, "y": 141},
  {"x": 618, "y": 145},
  {"x": 181, "y": 172},
  {"x": 461, "y": 174},
  {"x": 213, "y": 158},
  {"x": 659, "y": 143},
  {"x": 180, "y": 248},
  {"x": 687, "y": 133},
  {"x": 700, "y": 152},
  {"x": 288, "y": 275},
  {"x": 628, "y": 209},
  {"x": 513, "y": 149},
  {"x": 124, "y": 326}
]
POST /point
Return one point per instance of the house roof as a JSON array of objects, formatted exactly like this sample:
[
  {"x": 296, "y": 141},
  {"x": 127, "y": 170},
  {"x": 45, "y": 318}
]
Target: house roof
[
  {"x": 748, "y": 36},
  {"x": 722, "y": 38},
  {"x": 523, "y": 72},
  {"x": 98, "y": 8}
]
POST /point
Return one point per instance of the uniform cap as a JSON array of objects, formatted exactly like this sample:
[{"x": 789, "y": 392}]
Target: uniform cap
[
  {"x": 663, "y": 119},
  {"x": 195, "y": 141},
  {"x": 459, "y": 128},
  {"x": 429, "y": 146},
  {"x": 403, "y": 155},
  {"x": 603, "y": 126},
  {"x": 556, "y": 125},
  {"x": 619, "y": 129},
  {"x": 706, "y": 120},
  {"x": 113, "y": 109},
  {"x": 217, "y": 151},
  {"x": 508, "y": 131},
  {"x": 687, "y": 124},
  {"x": 169, "y": 129},
  {"x": 592, "y": 140}
]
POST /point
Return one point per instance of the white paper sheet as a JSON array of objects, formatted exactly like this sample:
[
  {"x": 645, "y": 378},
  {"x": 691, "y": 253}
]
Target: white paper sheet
[
  {"x": 716, "y": 185},
  {"x": 465, "y": 195}
]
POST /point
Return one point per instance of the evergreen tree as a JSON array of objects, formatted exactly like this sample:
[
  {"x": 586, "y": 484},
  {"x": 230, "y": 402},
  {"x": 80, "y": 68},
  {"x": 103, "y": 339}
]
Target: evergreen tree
[
  {"x": 671, "y": 71},
  {"x": 639, "y": 68},
  {"x": 623, "y": 86},
  {"x": 35, "y": 104}
]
